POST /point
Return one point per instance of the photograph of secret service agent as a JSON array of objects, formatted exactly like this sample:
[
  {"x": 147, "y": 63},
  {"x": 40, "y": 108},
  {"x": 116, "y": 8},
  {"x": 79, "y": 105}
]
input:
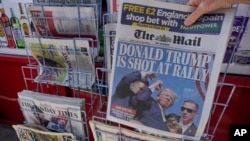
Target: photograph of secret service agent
[
  {"x": 131, "y": 85},
  {"x": 189, "y": 111},
  {"x": 151, "y": 112}
]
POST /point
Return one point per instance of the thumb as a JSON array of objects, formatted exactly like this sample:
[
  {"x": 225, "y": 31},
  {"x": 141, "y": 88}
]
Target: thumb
[{"x": 192, "y": 18}]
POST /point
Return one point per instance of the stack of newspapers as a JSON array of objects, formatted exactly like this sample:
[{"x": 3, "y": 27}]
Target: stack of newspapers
[{"x": 56, "y": 113}]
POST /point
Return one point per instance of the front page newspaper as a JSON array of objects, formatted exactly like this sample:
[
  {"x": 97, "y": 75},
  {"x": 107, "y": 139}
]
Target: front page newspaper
[
  {"x": 164, "y": 74},
  {"x": 56, "y": 113}
]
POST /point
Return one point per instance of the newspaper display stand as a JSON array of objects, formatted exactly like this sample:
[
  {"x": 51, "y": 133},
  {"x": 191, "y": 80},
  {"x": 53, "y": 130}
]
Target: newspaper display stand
[
  {"x": 73, "y": 87},
  {"x": 100, "y": 87},
  {"x": 219, "y": 105}
]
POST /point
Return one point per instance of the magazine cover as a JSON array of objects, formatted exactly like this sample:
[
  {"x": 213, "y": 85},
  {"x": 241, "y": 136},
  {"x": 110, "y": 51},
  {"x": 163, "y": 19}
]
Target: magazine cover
[
  {"x": 164, "y": 74},
  {"x": 238, "y": 29},
  {"x": 236, "y": 60},
  {"x": 55, "y": 115}
]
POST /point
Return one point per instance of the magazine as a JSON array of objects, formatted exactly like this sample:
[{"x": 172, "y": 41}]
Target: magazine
[
  {"x": 54, "y": 21},
  {"x": 28, "y": 133},
  {"x": 238, "y": 30},
  {"x": 236, "y": 59},
  {"x": 53, "y": 112},
  {"x": 162, "y": 70},
  {"x": 66, "y": 62}
]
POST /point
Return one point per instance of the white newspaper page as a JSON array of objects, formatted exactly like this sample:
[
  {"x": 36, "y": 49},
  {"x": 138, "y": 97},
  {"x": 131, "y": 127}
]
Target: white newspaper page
[
  {"x": 165, "y": 74},
  {"x": 110, "y": 31},
  {"x": 76, "y": 54},
  {"x": 52, "y": 67},
  {"x": 82, "y": 21},
  {"x": 66, "y": 62}
]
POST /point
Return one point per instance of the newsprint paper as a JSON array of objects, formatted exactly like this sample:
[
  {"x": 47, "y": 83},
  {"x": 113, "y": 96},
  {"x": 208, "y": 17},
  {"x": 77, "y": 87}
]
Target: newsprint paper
[
  {"x": 31, "y": 133},
  {"x": 66, "y": 62},
  {"x": 56, "y": 113},
  {"x": 165, "y": 73},
  {"x": 82, "y": 20}
]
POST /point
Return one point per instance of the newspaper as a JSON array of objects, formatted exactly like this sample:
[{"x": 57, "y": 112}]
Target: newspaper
[
  {"x": 66, "y": 62},
  {"x": 156, "y": 54},
  {"x": 55, "y": 21},
  {"x": 38, "y": 21},
  {"x": 80, "y": 102},
  {"x": 28, "y": 133},
  {"x": 110, "y": 32},
  {"x": 105, "y": 132},
  {"x": 53, "y": 112}
]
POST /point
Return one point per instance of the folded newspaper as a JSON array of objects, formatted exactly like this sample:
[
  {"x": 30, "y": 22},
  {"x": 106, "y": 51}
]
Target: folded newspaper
[
  {"x": 55, "y": 113},
  {"x": 165, "y": 74},
  {"x": 55, "y": 20},
  {"x": 105, "y": 132},
  {"x": 32, "y": 133},
  {"x": 109, "y": 35},
  {"x": 65, "y": 62}
]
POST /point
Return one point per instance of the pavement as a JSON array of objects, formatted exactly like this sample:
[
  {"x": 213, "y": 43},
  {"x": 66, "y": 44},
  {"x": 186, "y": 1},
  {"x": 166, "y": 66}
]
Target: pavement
[{"x": 7, "y": 133}]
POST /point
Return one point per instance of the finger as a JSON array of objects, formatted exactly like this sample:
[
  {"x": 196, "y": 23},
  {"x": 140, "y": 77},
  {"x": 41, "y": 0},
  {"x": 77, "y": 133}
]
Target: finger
[
  {"x": 193, "y": 17},
  {"x": 193, "y": 3}
]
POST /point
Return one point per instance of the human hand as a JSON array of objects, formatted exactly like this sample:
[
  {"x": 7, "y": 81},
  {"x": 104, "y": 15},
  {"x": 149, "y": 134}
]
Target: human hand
[
  {"x": 158, "y": 85},
  {"x": 150, "y": 75},
  {"x": 205, "y": 6}
]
